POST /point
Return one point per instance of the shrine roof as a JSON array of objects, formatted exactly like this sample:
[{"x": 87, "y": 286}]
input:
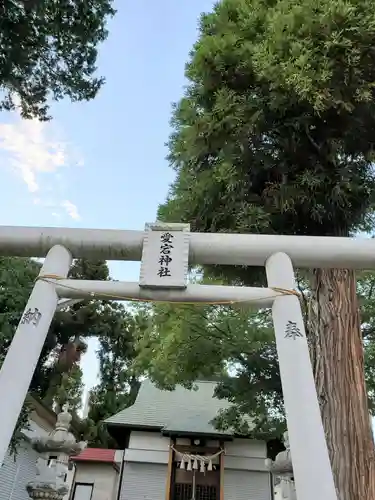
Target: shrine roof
[
  {"x": 95, "y": 455},
  {"x": 181, "y": 411}
]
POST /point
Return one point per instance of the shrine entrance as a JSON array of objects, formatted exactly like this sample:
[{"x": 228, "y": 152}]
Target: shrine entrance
[
  {"x": 166, "y": 251},
  {"x": 195, "y": 487},
  {"x": 188, "y": 485},
  {"x": 196, "y": 470}
]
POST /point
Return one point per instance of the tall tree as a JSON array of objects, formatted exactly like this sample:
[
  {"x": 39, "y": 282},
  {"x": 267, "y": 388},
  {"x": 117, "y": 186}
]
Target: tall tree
[
  {"x": 48, "y": 49},
  {"x": 82, "y": 320},
  {"x": 65, "y": 385},
  {"x": 70, "y": 391},
  {"x": 274, "y": 135}
]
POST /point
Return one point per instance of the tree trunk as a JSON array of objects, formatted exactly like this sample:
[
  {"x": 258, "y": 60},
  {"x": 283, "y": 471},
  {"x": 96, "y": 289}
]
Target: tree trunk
[{"x": 336, "y": 348}]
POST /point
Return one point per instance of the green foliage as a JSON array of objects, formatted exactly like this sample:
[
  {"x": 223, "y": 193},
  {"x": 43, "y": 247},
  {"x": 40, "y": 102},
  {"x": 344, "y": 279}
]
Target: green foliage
[
  {"x": 22, "y": 424},
  {"x": 178, "y": 335},
  {"x": 118, "y": 386},
  {"x": 57, "y": 378},
  {"x": 17, "y": 277},
  {"x": 82, "y": 320},
  {"x": 274, "y": 134},
  {"x": 366, "y": 291},
  {"x": 70, "y": 390},
  {"x": 183, "y": 344},
  {"x": 48, "y": 49},
  {"x": 186, "y": 343}
]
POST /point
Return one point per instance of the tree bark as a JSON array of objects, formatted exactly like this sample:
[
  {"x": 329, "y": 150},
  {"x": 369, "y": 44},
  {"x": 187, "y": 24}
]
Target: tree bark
[{"x": 334, "y": 334}]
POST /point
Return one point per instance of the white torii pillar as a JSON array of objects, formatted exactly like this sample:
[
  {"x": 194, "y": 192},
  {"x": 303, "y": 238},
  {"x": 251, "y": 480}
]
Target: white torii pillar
[
  {"x": 311, "y": 464},
  {"x": 23, "y": 354}
]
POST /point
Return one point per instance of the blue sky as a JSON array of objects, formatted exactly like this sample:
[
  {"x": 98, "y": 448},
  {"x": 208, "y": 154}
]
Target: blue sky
[{"x": 102, "y": 164}]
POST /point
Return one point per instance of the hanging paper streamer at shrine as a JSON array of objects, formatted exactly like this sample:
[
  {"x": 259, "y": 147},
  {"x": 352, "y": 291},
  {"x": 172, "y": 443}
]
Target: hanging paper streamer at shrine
[{"x": 196, "y": 462}]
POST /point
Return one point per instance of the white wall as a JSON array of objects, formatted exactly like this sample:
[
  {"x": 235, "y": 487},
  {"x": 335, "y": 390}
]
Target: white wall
[
  {"x": 152, "y": 447},
  {"x": 143, "y": 481},
  {"x": 246, "y": 448},
  {"x": 119, "y": 455},
  {"x": 245, "y": 475},
  {"x": 147, "y": 447},
  {"x": 247, "y": 485},
  {"x": 145, "y": 470},
  {"x": 69, "y": 481},
  {"x": 103, "y": 476},
  {"x": 245, "y": 454}
]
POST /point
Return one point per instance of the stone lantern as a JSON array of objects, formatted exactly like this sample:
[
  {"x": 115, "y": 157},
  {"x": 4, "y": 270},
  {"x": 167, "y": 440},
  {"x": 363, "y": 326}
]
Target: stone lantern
[
  {"x": 60, "y": 444},
  {"x": 282, "y": 472}
]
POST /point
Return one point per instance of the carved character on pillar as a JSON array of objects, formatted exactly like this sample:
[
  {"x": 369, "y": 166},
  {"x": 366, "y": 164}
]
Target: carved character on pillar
[{"x": 31, "y": 316}]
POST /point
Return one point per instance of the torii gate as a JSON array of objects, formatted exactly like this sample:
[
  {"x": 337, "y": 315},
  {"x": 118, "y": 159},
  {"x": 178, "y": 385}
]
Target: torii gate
[{"x": 165, "y": 251}]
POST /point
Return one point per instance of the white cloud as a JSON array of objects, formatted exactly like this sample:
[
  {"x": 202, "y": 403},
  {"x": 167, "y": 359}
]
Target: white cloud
[
  {"x": 71, "y": 209},
  {"x": 56, "y": 208},
  {"x": 30, "y": 151},
  {"x": 35, "y": 152}
]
